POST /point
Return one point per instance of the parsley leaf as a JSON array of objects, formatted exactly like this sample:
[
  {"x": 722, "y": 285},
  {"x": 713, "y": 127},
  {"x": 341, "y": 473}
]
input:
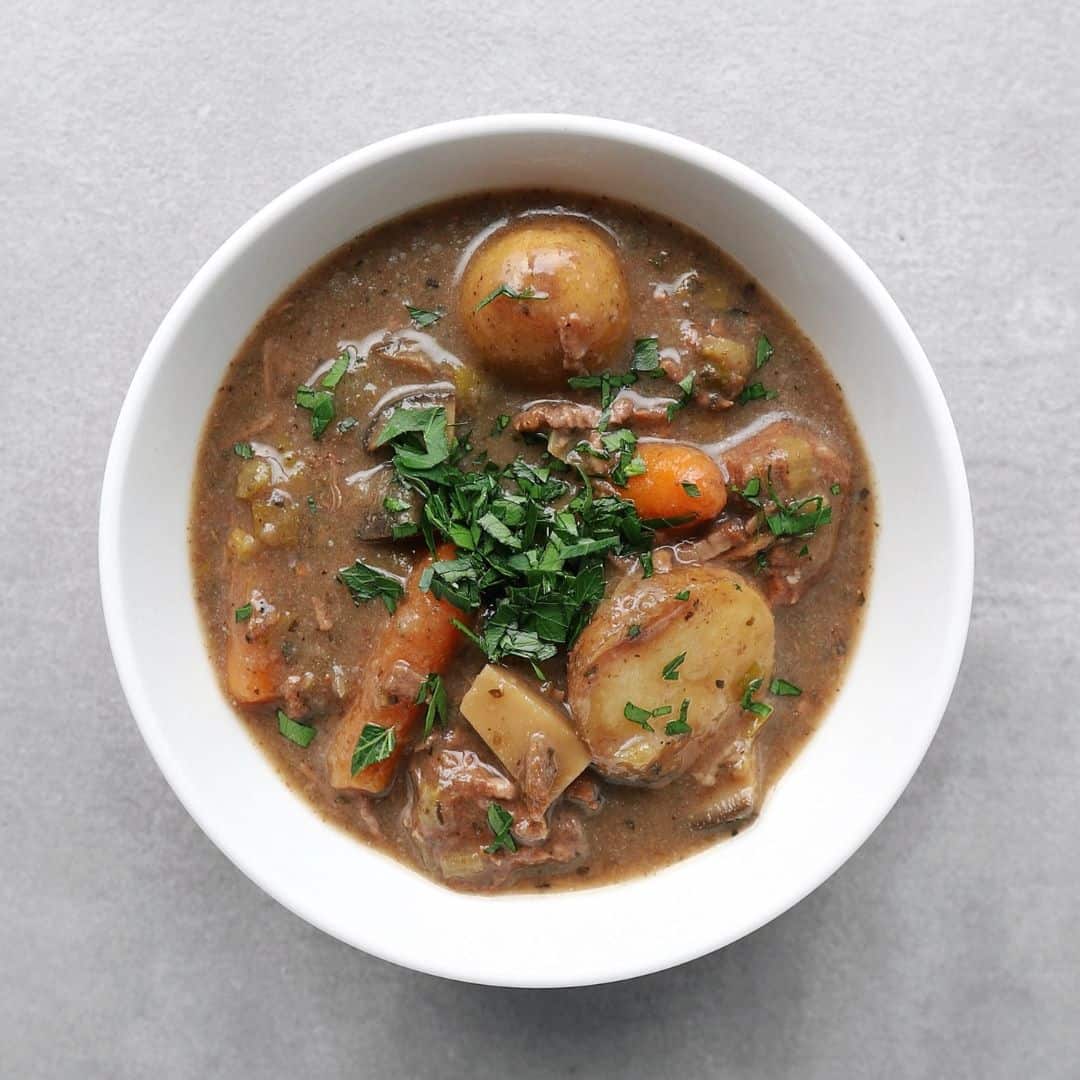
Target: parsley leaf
[
  {"x": 376, "y": 743},
  {"x": 633, "y": 631},
  {"x": 339, "y": 367},
  {"x": 423, "y": 317},
  {"x": 754, "y": 392},
  {"x": 293, "y": 730},
  {"x": 243, "y": 450},
  {"x": 346, "y": 424},
  {"x": 763, "y": 352},
  {"x": 783, "y": 688},
  {"x": 691, "y": 489},
  {"x": 243, "y": 613},
  {"x": 671, "y": 668},
  {"x": 433, "y": 693},
  {"x": 366, "y": 583},
  {"x": 637, "y": 715},
  {"x": 683, "y": 595},
  {"x": 646, "y": 356},
  {"x": 321, "y": 405},
  {"x": 419, "y": 437},
  {"x": 686, "y": 392},
  {"x": 527, "y": 293},
  {"x": 680, "y": 726},
  {"x": 499, "y": 821}
]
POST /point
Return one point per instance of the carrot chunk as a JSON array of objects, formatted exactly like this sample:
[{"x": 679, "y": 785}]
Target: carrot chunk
[
  {"x": 678, "y": 482},
  {"x": 421, "y": 634}
]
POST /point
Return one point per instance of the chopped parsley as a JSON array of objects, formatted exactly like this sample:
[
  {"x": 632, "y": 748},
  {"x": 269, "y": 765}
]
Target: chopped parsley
[
  {"x": 834, "y": 490},
  {"x": 686, "y": 392},
  {"x": 243, "y": 613},
  {"x": 691, "y": 489},
  {"x": 646, "y": 358},
  {"x": 499, "y": 821},
  {"x": 794, "y": 517},
  {"x": 754, "y": 392},
  {"x": 423, "y": 317},
  {"x": 683, "y": 595},
  {"x": 321, "y": 405},
  {"x": 530, "y": 548},
  {"x": 671, "y": 668},
  {"x": 337, "y": 369},
  {"x": 636, "y": 715},
  {"x": 502, "y": 421},
  {"x": 607, "y": 382},
  {"x": 376, "y": 743},
  {"x": 313, "y": 506},
  {"x": 679, "y": 726},
  {"x": 760, "y": 709},
  {"x": 783, "y": 688},
  {"x": 763, "y": 352},
  {"x": 243, "y": 450},
  {"x": 633, "y": 631},
  {"x": 293, "y": 730},
  {"x": 433, "y": 693},
  {"x": 347, "y": 423},
  {"x": 366, "y": 583},
  {"x": 528, "y": 293}
]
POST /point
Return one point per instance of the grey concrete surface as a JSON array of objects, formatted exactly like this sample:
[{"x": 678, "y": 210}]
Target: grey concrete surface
[{"x": 942, "y": 140}]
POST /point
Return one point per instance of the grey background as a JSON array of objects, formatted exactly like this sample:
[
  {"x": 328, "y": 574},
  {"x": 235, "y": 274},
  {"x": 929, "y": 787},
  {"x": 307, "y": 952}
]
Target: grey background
[{"x": 942, "y": 140}]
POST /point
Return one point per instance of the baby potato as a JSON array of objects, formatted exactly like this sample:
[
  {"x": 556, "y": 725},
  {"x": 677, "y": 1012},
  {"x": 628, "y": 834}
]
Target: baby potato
[
  {"x": 576, "y": 311},
  {"x": 625, "y": 686}
]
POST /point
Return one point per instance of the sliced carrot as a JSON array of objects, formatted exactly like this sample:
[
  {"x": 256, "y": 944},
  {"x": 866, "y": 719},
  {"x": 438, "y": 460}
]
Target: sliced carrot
[
  {"x": 419, "y": 632},
  {"x": 678, "y": 481}
]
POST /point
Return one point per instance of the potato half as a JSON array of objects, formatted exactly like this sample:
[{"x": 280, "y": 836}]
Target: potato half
[
  {"x": 627, "y": 660},
  {"x": 578, "y": 313}
]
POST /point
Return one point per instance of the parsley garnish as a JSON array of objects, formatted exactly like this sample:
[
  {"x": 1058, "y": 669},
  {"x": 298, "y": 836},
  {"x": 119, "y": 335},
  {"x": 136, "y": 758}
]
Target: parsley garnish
[
  {"x": 347, "y": 424},
  {"x": 754, "y": 392},
  {"x": 321, "y": 405},
  {"x": 530, "y": 549},
  {"x": 499, "y": 821},
  {"x": 243, "y": 450},
  {"x": 683, "y": 595},
  {"x": 528, "y": 293},
  {"x": 502, "y": 421},
  {"x": 419, "y": 436},
  {"x": 834, "y": 490},
  {"x": 636, "y": 715},
  {"x": 680, "y": 726},
  {"x": 423, "y": 317},
  {"x": 633, "y": 631},
  {"x": 376, "y": 743},
  {"x": 365, "y": 583},
  {"x": 646, "y": 356},
  {"x": 763, "y": 352},
  {"x": 783, "y": 688},
  {"x": 691, "y": 489},
  {"x": 607, "y": 382},
  {"x": 293, "y": 730},
  {"x": 243, "y": 613},
  {"x": 339, "y": 367},
  {"x": 433, "y": 693},
  {"x": 686, "y": 392},
  {"x": 761, "y": 711},
  {"x": 671, "y": 668}
]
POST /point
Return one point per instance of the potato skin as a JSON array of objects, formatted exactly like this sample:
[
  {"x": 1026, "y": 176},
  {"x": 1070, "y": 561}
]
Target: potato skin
[
  {"x": 578, "y": 328},
  {"x": 726, "y": 630}
]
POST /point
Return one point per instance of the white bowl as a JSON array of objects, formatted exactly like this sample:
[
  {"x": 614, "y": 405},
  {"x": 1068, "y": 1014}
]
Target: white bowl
[{"x": 845, "y": 780}]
